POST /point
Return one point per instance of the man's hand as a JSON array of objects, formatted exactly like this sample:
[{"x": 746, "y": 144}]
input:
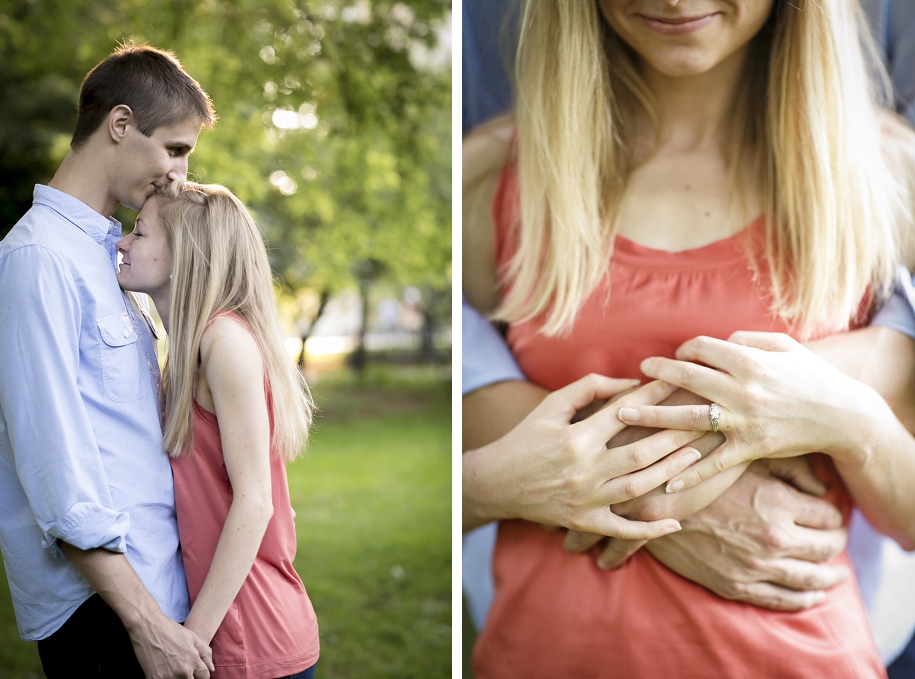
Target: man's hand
[
  {"x": 167, "y": 650},
  {"x": 164, "y": 649},
  {"x": 763, "y": 541}
]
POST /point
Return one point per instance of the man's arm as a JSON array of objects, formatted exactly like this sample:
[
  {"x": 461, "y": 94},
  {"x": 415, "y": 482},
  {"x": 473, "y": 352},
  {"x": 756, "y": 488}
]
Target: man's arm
[{"x": 164, "y": 649}]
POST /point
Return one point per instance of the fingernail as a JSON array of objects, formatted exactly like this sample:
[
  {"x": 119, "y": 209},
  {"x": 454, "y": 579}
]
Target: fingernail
[
  {"x": 629, "y": 415},
  {"x": 674, "y": 486},
  {"x": 691, "y": 457},
  {"x": 645, "y": 365},
  {"x": 673, "y": 529}
]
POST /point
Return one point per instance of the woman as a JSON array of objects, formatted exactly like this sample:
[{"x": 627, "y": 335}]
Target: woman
[
  {"x": 235, "y": 410},
  {"x": 685, "y": 169}
]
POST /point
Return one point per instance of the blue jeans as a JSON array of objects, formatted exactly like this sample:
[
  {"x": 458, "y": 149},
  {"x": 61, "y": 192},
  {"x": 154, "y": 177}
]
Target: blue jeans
[{"x": 306, "y": 674}]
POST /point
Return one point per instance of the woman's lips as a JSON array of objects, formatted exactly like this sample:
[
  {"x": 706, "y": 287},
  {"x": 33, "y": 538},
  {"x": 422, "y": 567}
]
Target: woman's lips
[{"x": 679, "y": 26}]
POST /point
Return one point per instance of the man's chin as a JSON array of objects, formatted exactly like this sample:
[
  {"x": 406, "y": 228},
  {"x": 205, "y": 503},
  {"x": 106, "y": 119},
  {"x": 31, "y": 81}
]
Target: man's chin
[{"x": 136, "y": 203}]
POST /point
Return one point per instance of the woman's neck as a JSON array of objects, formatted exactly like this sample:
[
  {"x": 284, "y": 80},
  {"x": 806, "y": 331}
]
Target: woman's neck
[
  {"x": 695, "y": 110},
  {"x": 162, "y": 302}
]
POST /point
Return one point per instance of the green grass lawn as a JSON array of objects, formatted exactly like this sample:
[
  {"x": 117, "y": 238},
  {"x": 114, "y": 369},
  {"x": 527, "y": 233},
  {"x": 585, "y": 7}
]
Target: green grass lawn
[{"x": 373, "y": 505}]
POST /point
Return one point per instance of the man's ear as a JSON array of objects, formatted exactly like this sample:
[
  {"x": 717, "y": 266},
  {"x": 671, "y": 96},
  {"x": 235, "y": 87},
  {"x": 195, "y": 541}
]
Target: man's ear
[{"x": 120, "y": 118}]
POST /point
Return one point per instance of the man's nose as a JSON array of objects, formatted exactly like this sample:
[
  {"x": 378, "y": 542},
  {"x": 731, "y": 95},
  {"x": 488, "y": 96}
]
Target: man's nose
[{"x": 178, "y": 171}]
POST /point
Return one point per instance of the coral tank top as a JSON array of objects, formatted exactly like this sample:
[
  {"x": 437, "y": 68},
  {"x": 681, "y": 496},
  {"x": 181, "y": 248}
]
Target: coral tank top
[
  {"x": 270, "y": 629},
  {"x": 556, "y": 614}
]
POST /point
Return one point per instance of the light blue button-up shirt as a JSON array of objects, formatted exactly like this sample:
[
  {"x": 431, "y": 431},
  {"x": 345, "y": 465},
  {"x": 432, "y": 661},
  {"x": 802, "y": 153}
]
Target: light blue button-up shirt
[
  {"x": 485, "y": 358},
  {"x": 81, "y": 456}
]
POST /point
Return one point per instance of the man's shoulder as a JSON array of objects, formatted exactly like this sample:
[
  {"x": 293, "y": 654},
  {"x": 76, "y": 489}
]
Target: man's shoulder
[
  {"x": 37, "y": 226},
  {"x": 43, "y": 234},
  {"x": 35, "y": 251}
]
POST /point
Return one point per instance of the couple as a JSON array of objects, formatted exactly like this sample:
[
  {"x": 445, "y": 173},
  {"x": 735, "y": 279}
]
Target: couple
[{"x": 88, "y": 496}]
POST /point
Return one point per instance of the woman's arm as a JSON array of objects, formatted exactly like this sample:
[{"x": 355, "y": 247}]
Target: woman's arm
[{"x": 233, "y": 372}]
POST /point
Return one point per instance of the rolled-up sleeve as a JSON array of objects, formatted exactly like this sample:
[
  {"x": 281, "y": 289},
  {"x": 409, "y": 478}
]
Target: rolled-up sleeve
[
  {"x": 485, "y": 358},
  {"x": 52, "y": 441}
]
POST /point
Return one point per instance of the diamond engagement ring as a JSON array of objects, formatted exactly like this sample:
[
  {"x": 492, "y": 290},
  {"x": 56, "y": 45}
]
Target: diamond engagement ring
[{"x": 714, "y": 414}]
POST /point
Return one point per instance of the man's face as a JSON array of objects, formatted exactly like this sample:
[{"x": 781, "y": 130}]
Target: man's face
[{"x": 143, "y": 163}]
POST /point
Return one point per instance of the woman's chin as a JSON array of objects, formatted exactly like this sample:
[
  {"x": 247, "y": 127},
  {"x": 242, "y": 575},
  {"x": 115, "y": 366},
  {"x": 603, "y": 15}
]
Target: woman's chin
[{"x": 125, "y": 284}]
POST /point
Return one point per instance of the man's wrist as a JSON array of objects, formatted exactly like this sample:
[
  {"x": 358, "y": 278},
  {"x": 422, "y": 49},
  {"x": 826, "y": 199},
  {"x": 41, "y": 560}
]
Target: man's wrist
[
  {"x": 479, "y": 497},
  {"x": 873, "y": 423}
]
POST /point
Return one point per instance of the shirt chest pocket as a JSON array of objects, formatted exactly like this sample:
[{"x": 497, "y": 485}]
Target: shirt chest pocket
[{"x": 119, "y": 360}]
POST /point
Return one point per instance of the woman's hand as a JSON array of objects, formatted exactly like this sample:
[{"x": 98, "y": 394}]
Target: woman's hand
[
  {"x": 551, "y": 471},
  {"x": 776, "y": 399}
]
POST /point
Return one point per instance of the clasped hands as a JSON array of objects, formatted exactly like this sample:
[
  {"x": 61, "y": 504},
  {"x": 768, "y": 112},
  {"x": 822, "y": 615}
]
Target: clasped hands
[{"x": 764, "y": 540}]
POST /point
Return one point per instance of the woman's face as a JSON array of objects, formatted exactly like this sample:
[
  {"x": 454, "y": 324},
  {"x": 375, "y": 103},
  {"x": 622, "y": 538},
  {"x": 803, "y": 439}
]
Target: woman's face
[
  {"x": 686, "y": 37},
  {"x": 147, "y": 261}
]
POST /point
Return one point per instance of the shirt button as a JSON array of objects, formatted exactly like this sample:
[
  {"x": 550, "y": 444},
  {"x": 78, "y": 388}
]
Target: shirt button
[{"x": 127, "y": 333}]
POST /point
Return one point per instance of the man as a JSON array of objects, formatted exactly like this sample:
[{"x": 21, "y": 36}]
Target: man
[{"x": 87, "y": 512}]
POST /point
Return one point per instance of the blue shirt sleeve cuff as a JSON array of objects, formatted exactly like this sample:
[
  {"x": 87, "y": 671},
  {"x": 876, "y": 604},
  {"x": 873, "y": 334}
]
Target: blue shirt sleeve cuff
[
  {"x": 899, "y": 311},
  {"x": 88, "y": 526}
]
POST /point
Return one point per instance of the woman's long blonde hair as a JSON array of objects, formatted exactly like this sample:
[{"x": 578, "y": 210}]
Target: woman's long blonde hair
[
  {"x": 220, "y": 264},
  {"x": 807, "y": 117}
]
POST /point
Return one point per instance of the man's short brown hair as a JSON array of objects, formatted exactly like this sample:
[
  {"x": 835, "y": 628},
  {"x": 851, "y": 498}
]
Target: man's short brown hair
[{"x": 150, "y": 81}]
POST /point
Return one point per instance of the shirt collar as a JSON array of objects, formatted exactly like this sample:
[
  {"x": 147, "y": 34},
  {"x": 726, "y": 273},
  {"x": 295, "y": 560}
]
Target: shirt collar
[{"x": 78, "y": 213}]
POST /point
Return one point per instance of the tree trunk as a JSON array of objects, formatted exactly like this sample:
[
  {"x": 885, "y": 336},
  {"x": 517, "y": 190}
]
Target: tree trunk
[
  {"x": 359, "y": 357},
  {"x": 325, "y": 296}
]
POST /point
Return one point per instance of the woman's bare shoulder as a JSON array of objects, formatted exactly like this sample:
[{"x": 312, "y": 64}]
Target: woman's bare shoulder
[
  {"x": 227, "y": 339},
  {"x": 484, "y": 153}
]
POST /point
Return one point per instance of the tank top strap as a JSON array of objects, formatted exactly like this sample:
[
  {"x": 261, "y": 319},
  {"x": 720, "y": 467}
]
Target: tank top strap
[{"x": 229, "y": 314}]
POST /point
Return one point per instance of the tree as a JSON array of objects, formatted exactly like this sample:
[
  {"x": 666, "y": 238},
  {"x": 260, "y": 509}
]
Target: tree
[{"x": 334, "y": 119}]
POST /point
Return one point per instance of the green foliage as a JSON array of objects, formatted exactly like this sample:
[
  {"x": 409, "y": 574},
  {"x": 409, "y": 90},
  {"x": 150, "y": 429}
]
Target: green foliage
[
  {"x": 334, "y": 124},
  {"x": 374, "y": 530}
]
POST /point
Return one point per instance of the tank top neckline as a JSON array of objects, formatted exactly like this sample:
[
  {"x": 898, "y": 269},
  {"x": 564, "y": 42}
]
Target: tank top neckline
[{"x": 722, "y": 252}]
